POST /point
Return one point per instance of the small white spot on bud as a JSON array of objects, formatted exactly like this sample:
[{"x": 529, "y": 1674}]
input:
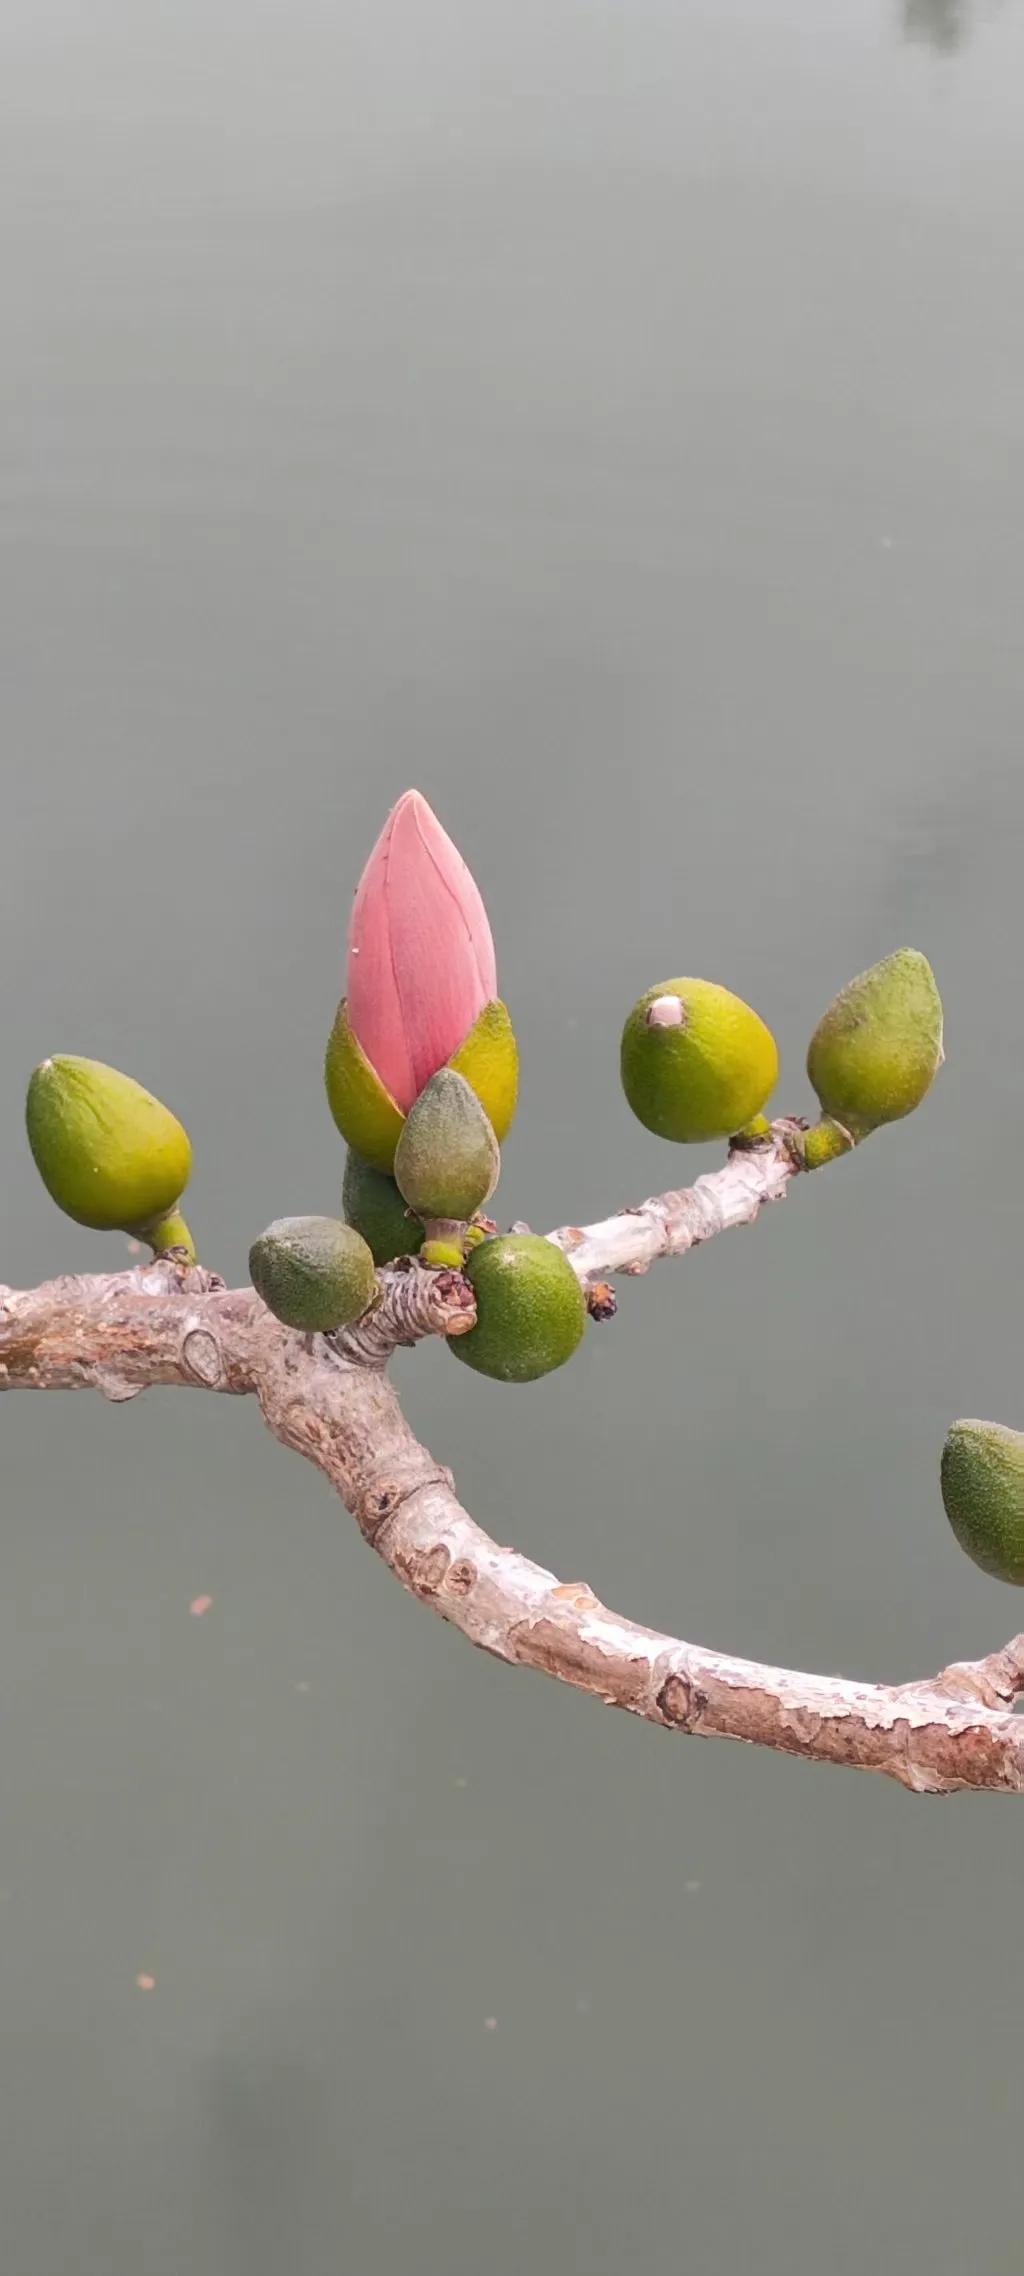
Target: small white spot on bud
[{"x": 666, "y": 1011}]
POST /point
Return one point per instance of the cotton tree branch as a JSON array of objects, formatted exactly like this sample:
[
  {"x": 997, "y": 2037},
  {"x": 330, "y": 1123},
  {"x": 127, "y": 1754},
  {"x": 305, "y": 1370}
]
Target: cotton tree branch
[
  {"x": 418, "y": 1303},
  {"x": 330, "y": 1399},
  {"x": 671, "y": 1223}
]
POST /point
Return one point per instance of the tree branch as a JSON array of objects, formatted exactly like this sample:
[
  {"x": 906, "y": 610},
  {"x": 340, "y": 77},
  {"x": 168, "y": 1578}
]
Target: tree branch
[
  {"x": 670, "y": 1223},
  {"x": 329, "y": 1398}
]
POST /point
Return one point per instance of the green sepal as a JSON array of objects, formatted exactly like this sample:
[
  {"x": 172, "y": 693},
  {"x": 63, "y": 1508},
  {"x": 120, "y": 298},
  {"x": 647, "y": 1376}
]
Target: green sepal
[{"x": 365, "y": 1112}]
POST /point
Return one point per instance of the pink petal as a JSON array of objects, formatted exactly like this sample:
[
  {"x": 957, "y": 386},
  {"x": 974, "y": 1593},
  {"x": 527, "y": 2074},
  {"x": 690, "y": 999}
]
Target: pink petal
[{"x": 421, "y": 957}]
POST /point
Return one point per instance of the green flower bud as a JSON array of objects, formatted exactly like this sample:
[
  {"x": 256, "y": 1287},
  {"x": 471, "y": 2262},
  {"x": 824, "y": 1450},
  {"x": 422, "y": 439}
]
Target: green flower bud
[
  {"x": 983, "y": 1494},
  {"x": 447, "y": 1159},
  {"x": 313, "y": 1272},
  {"x": 696, "y": 1062},
  {"x": 531, "y": 1311},
  {"x": 372, "y": 1203},
  {"x": 875, "y": 1053},
  {"x": 109, "y": 1154}
]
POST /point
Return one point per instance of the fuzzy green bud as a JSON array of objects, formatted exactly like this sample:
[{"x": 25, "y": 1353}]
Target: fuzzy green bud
[
  {"x": 530, "y": 1309},
  {"x": 983, "y": 1495},
  {"x": 876, "y": 1051},
  {"x": 109, "y": 1153},
  {"x": 447, "y": 1159},
  {"x": 372, "y": 1203},
  {"x": 313, "y": 1272},
  {"x": 696, "y": 1061}
]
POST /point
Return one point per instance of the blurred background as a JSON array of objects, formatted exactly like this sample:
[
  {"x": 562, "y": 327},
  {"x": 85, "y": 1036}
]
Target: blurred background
[{"x": 611, "y": 420}]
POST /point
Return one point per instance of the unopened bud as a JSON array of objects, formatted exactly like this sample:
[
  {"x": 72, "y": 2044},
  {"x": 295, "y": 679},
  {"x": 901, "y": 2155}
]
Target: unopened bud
[
  {"x": 313, "y": 1272},
  {"x": 696, "y": 1061},
  {"x": 876, "y": 1051},
  {"x": 109, "y": 1154},
  {"x": 983, "y": 1494},
  {"x": 447, "y": 1159}
]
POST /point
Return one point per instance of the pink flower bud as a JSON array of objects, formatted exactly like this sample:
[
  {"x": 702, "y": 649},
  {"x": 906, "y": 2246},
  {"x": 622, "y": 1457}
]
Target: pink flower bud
[{"x": 420, "y": 954}]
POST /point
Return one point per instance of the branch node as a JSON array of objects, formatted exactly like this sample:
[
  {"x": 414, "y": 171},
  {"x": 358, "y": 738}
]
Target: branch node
[{"x": 200, "y": 1357}]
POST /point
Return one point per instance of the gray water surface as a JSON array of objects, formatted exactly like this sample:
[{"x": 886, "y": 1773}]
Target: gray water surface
[{"x": 611, "y": 419}]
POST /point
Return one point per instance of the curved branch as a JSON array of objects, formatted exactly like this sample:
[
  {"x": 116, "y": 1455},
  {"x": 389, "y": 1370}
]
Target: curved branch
[{"x": 169, "y": 1323}]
